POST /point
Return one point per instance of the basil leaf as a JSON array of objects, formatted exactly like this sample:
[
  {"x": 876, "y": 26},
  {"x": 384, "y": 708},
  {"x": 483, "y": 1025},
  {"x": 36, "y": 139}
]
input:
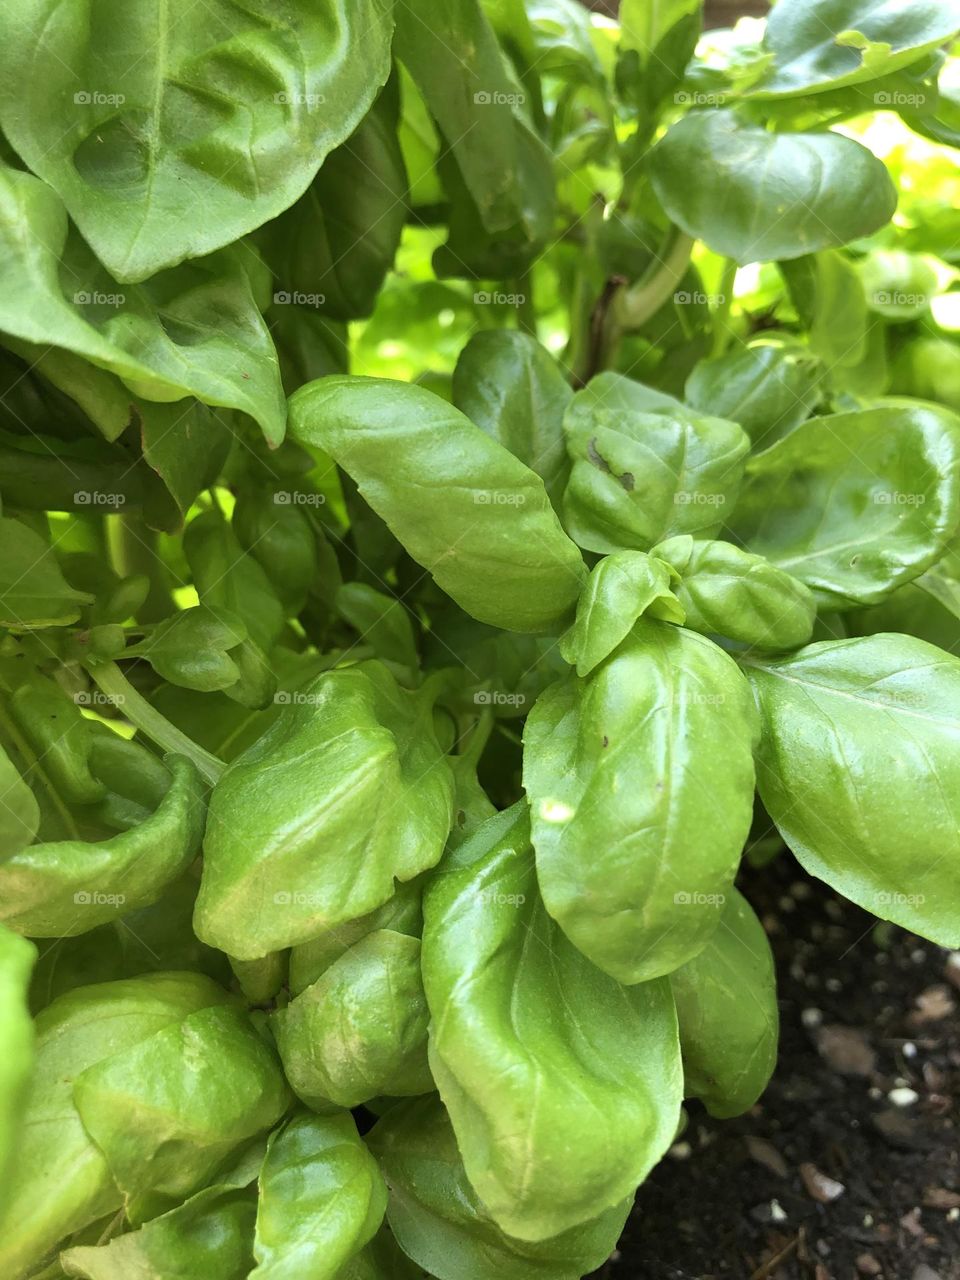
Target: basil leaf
[
  {"x": 536, "y": 1053},
  {"x": 829, "y": 295},
  {"x": 621, "y": 588},
  {"x": 644, "y": 467},
  {"x": 464, "y": 508},
  {"x": 19, "y": 811},
  {"x": 347, "y": 791},
  {"x": 640, "y": 781},
  {"x": 381, "y": 1259},
  {"x": 17, "y": 957},
  {"x": 192, "y": 649},
  {"x": 361, "y": 1029},
  {"x": 236, "y": 108},
  {"x": 858, "y": 736},
  {"x": 382, "y": 621},
  {"x": 726, "y": 591},
  {"x": 513, "y": 389},
  {"x": 322, "y": 1198},
  {"x": 61, "y": 1182},
  {"x": 435, "y": 1214},
  {"x": 336, "y": 244},
  {"x": 190, "y": 331},
  {"x": 401, "y": 914},
  {"x": 33, "y": 591},
  {"x": 65, "y": 887},
  {"x": 168, "y": 1110},
  {"x": 767, "y": 388},
  {"x": 209, "y": 1235},
  {"x": 761, "y": 195},
  {"x": 820, "y": 45},
  {"x": 727, "y": 1010},
  {"x": 452, "y": 53},
  {"x": 856, "y": 504}
]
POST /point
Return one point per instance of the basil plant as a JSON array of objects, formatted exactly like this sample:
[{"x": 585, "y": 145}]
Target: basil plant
[{"x": 469, "y": 471}]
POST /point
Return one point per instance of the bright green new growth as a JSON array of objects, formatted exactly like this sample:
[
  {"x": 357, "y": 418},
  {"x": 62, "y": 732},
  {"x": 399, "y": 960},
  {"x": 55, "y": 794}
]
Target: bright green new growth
[{"x": 425, "y": 558}]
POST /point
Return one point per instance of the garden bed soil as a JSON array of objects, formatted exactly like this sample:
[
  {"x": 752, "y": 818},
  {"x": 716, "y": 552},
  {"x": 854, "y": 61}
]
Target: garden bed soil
[{"x": 849, "y": 1165}]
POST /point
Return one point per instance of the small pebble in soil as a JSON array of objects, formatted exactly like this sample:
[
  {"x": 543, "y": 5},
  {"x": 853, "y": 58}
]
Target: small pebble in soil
[
  {"x": 903, "y": 1097},
  {"x": 819, "y": 1186},
  {"x": 811, "y": 1018}
]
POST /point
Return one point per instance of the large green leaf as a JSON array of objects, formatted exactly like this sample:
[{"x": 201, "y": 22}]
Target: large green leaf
[
  {"x": 33, "y": 590},
  {"x": 620, "y": 589},
  {"x": 172, "y": 130},
  {"x": 727, "y": 1009},
  {"x": 512, "y": 388},
  {"x": 859, "y": 737},
  {"x": 768, "y": 387},
  {"x": 760, "y": 195},
  {"x": 192, "y": 331},
  {"x": 450, "y": 50},
  {"x": 360, "y": 1031},
  {"x": 829, "y": 296},
  {"x": 856, "y": 504},
  {"x": 536, "y": 1053},
  {"x": 17, "y": 958},
  {"x": 462, "y": 505},
  {"x": 726, "y": 591},
  {"x": 333, "y": 248},
  {"x": 640, "y": 781},
  {"x": 168, "y": 1110},
  {"x": 209, "y": 1235},
  {"x": 19, "y": 812},
  {"x": 401, "y": 914},
  {"x": 645, "y": 467},
  {"x": 61, "y": 888},
  {"x": 322, "y": 1198},
  {"x": 61, "y": 1181},
  {"x": 439, "y": 1221},
  {"x": 821, "y": 45},
  {"x": 381, "y": 1259},
  {"x": 347, "y": 791}
]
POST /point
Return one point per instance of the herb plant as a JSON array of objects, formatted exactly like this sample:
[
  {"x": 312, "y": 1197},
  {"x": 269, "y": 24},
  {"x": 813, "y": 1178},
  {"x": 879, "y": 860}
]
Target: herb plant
[{"x": 469, "y": 471}]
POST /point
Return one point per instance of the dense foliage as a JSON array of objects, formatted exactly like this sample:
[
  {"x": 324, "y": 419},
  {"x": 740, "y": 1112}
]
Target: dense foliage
[{"x": 469, "y": 472}]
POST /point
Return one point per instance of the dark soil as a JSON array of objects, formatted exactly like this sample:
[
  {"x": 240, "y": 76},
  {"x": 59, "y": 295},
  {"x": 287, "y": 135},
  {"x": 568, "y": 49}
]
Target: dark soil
[{"x": 829, "y": 1177}]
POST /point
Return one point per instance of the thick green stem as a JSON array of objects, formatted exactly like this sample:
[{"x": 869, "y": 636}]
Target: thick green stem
[
  {"x": 634, "y": 306},
  {"x": 110, "y": 680},
  {"x": 721, "y": 319},
  {"x": 526, "y": 311}
]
